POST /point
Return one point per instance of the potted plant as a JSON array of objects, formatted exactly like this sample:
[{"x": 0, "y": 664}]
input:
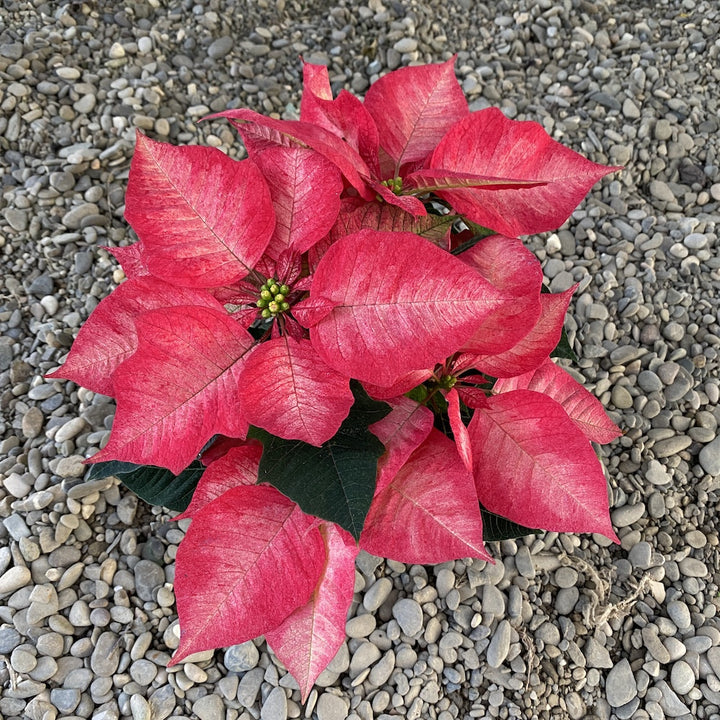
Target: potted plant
[{"x": 339, "y": 343}]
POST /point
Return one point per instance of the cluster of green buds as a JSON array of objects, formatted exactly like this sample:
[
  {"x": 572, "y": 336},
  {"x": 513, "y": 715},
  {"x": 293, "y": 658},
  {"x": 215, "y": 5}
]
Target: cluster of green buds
[
  {"x": 272, "y": 300},
  {"x": 395, "y": 184},
  {"x": 446, "y": 382}
]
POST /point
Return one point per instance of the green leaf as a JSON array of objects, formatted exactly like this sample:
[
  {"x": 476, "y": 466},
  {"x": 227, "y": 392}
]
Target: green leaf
[
  {"x": 496, "y": 527},
  {"x": 335, "y": 481},
  {"x": 155, "y": 485},
  {"x": 563, "y": 349},
  {"x": 479, "y": 232}
]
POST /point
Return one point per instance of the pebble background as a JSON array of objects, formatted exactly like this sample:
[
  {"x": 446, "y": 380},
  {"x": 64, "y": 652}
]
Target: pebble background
[{"x": 561, "y": 626}]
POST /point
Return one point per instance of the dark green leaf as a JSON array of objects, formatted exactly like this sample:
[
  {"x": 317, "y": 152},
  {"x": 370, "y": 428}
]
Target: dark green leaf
[
  {"x": 563, "y": 348},
  {"x": 479, "y": 232},
  {"x": 335, "y": 481},
  {"x": 496, "y": 527},
  {"x": 155, "y": 485}
]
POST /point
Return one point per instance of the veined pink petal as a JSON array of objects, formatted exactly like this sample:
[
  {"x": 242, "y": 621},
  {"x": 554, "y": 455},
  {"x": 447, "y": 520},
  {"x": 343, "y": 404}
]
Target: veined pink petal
[
  {"x": 460, "y": 432},
  {"x": 401, "y": 431},
  {"x": 351, "y": 165},
  {"x": 429, "y": 512},
  {"x": 345, "y": 116},
  {"x": 305, "y": 188},
  {"x": 488, "y": 143},
  {"x": 388, "y": 321},
  {"x": 533, "y": 348},
  {"x": 289, "y": 391},
  {"x": 584, "y": 409},
  {"x": 510, "y": 266},
  {"x": 239, "y": 466},
  {"x": 131, "y": 259},
  {"x": 534, "y": 466},
  {"x": 308, "y": 639},
  {"x": 414, "y": 107},
  {"x": 179, "y": 388},
  {"x": 108, "y": 337},
  {"x": 229, "y": 563},
  {"x": 432, "y": 180},
  {"x": 203, "y": 218}
]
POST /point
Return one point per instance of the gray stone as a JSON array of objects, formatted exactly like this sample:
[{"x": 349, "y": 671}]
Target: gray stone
[
  {"x": 42, "y": 285},
  {"x": 65, "y": 699},
  {"x": 620, "y": 687},
  {"x": 106, "y": 655},
  {"x": 499, "y": 645},
  {"x": 709, "y": 457},
  {"x": 661, "y": 191},
  {"x": 653, "y": 644},
  {"x": 16, "y": 219},
  {"x": 209, "y": 707},
  {"x": 382, "y": 669},
  {"x": 140, "y": 707},
  {"x": 680, "y": 614},
  {"x": 249, "y": 687},
  {"x": 682, "y": 677},
  {"x": 596, "y": 655},
  {"x": 409, "y": 616},
  {"x": 691, "y": 567},
  {"x": 671, "y": 446},
  {"x": 13, "y": 579},
  {"x": 275, "y": 706},
  {"x": 377, "y": 593},
  {"x": 148, "y": 577},
  {"x": 242, "y": 657},
  {"x": 23, "y": 661},
  {"x": 143, "y": 672},
  {"x": 670, "y": 702},
  {"x": 405, "y": 45},
  {"x": 627, "y": 515},
  {"x": 364, "y": 656},
  {"x": 657, "y": 474},
  {"x": 162, "y": 702},
  {"x": 331, "y": 707},
  {"x": 360, "y": 626},
  {"x": 73, "y": 218},
  {"x": 9, "y": 640},
  {"x": 575, "y": 706},
  {"x": 221, "y": 47},
  {"x": 62, "y": 181}
]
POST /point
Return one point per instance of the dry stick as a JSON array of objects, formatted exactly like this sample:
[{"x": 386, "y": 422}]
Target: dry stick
[
  {"x": 609, "y": 610},
  {"x": 11, "y": 672},
  {"x": 531, "y": 654}
]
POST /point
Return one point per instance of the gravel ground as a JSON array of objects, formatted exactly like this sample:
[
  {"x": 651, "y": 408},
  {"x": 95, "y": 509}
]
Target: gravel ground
[{"x": 562, "y": 626}]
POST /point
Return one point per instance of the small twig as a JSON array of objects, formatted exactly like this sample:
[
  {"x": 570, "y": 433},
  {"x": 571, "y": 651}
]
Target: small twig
[
  {"x": 11, "y": 672},
  {"x": 599, "y": 611}
]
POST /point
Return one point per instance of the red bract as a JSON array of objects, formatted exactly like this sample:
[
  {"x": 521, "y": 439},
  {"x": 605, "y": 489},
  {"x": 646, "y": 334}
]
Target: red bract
[
  {"x": 428, "y": 513},
  {"x": 229, "y": 562},
  {"x": 109, "y": 336},
  {"x": 204, "y": 219},
  {"x": 488, "y": 143},
  {"x": 310, "y": 637},
  {"x": 348, "y": 316},
  {"x": 413, "y": 108},
  {"x": 179, "y": 388},
  {"x": 289, "y": 391},
  {"x": 542, "y": 471},
  {"x": 583, "y": 408},
  {"x": 373, "y": 319}
]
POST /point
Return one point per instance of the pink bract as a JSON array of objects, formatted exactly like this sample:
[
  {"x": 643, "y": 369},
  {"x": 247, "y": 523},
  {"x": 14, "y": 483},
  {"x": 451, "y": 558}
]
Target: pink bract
[{"x": 350, "y": 302}]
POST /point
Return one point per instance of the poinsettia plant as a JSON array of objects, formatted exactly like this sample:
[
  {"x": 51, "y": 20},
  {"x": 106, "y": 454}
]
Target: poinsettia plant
[{"x": 339, "y": 343}]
